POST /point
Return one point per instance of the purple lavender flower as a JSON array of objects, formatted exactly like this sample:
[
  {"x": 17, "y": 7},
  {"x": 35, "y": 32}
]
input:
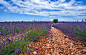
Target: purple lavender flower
[
  {"x": 22, "y": 41},
  {"x": 76, "y": 40},
  {"x": 84, "y": 40},
  {"x": 84, "y": 43},
  {"x": 31, "y": 39},
  {"x": 15, "y": 30},
  {"x": 28, "y": 38},
  {"x": 4, "y": 41},
  {"x": 21, "y": 37},
  {"x": 35, "y": 38},
  {"x": 10, "y": 50},
  {"x": 0, "y": 32},
  {"x": 19, "y": 49},
  {"x": 8, "y": 40},
  {"x": 25, "y": 36},
  {"x": 13, "y": 33},
  {"x": 51, "y": 36},
  {"x": 82, "y": 37},
  {"x": 0, "y": 46},
  {"x": 29, "y": 52}
]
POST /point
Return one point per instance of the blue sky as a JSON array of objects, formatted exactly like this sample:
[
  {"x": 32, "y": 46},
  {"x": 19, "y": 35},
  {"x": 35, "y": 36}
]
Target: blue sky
[{"x": 42, "y": 10}]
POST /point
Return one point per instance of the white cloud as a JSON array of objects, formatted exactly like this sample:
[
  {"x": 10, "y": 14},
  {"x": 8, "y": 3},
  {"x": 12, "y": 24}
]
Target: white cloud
[
  {"x": 61, "y": 0},
  {"x": 51, "y": 19},
  {"x": 37, "y": 1},
  {"x": 12, "y": 20},
  {"x": 80, "y": 17},
  {"x": 30, "y": 20},
  {"x": 34, "y": 7},
  {"x": 5, "y": 10},
  {"x": 6, "y": 4},
  {"x": 78, "y": 3},
  {"x": 65, "y": 19},
  {"x": 1, "y": 7},
  {"x": 45, "y": 19},
  {"x": 52, "y": 16}
]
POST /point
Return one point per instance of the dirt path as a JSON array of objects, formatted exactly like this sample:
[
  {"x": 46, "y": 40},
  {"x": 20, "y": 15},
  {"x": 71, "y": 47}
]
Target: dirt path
[{"x": 59, "y": 44}]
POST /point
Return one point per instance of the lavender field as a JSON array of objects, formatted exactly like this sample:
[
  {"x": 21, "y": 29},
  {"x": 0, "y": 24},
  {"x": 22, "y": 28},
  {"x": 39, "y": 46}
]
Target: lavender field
[
  {"x": 77, "y": 30},
  {"x": 32, "y": 32}
]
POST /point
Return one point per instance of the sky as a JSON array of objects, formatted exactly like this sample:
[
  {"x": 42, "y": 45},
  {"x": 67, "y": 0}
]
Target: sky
[{"x": 42, "y": 10}]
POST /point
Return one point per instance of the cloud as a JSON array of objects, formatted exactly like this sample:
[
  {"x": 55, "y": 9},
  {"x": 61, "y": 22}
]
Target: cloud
[
  {"x": 61, "y": 0},
  {"x": 65, "y": 19},
  {"x": 52, "y": 16},
  {"x": 45, "y": 19},
  {"x": 1, "y": 7},
  {"x": 78, "y": 3},
  {"x": 34, "y": 7},
  {"x": 80, "y": 17},
  {"x": 6, "y": 4},
  {"x": 51, "y": 19},
  {"x": 12, "y": 20},
  {"x": 5, "y": 10}
]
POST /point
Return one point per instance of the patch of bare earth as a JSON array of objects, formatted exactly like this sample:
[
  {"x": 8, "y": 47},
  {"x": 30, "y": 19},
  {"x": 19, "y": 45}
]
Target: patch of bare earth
[{"x": 59, "y": 44}]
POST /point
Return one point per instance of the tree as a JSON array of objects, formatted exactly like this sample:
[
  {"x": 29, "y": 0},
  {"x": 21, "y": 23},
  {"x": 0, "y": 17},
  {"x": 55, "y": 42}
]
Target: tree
[
  {"x": 18, "y": 21},
  {"x": 82, "y": 20},
  {"x": 5, "y": 21},
  {"x": 55, "y": 20},
  {"x": 85, "y": 20},
  {"x": 77, "y": 20},
  {"x": 34, "y": 20},
  {"x": 22, "y": 21}
]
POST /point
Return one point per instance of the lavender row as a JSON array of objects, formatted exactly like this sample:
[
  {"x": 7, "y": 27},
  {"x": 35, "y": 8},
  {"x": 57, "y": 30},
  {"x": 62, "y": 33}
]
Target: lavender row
[
  {"x": 76, "y": 30},
  {"x": 12, "y": 28}
]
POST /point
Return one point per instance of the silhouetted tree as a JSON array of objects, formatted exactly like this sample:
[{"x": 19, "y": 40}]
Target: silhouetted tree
[
  {"x": 34, "y": 20},
  {"x": 22, "y": 21},
  {"x": 5, "y": 21},
  {"x": 77, "y": 20},
  {"x": 82, "y": 20},
  {"x": 85, "y": 20}
]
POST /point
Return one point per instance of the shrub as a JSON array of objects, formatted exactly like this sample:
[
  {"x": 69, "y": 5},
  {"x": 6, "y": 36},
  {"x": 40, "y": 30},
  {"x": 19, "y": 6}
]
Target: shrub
[{"x": 55, "y": 20}]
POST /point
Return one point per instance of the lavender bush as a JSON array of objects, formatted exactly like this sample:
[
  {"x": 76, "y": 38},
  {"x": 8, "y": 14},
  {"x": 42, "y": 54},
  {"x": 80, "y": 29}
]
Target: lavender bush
[{"x": 76, "y": 30}]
